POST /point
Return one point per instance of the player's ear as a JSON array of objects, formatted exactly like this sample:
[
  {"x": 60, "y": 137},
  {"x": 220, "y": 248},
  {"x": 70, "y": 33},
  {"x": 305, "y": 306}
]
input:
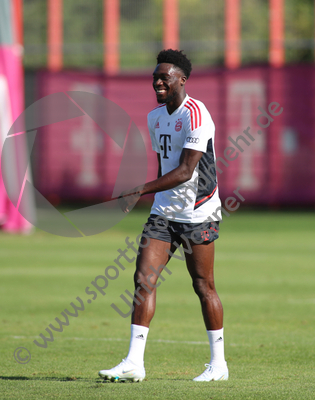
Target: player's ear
[{"x": 183, "y": 80}]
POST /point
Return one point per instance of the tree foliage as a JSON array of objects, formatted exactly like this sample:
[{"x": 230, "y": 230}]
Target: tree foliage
[{"x": 141, "y": 32}]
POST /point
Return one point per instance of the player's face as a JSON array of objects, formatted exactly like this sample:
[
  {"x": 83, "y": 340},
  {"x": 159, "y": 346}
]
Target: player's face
[{"x": 168, "y": 82}]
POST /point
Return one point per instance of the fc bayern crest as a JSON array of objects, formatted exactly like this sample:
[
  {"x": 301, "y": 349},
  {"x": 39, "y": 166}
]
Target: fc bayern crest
[{"x": 178, "y": 125}]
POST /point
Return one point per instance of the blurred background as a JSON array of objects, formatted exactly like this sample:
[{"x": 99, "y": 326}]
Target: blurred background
[{"x": 245, "y": 54}]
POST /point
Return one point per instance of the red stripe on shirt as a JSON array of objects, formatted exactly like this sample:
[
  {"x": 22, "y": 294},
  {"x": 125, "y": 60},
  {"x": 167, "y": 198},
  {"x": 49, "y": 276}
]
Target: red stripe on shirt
[
  {"x": 193, "y": 108},
  {"x": 191, "y": 117},
  {"x": 199, "y": 112},
  {"x": 207, "y": 197}
]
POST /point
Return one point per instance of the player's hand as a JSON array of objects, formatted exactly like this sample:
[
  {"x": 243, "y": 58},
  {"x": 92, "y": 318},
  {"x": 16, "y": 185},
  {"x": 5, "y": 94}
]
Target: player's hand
[{"x": 128, "y": 199}]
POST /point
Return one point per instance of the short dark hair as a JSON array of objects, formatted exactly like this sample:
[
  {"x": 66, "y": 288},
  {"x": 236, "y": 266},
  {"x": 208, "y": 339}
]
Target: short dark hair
[{"x": 176, "y": 57}]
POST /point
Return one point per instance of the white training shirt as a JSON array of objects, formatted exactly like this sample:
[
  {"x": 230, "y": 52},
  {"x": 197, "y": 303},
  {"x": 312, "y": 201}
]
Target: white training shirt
[{"x": 190, "y": 126}]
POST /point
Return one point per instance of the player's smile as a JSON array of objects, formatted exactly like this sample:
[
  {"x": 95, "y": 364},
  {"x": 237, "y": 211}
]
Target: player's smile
[{"x": 160, "y": 92}]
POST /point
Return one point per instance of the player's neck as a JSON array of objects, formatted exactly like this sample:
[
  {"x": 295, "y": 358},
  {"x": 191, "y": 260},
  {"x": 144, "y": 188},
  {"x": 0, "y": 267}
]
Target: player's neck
[{"x": 174, "y": 104}]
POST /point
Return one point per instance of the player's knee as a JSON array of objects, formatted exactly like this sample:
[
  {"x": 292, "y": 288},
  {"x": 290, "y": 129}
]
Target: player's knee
[
  {"x": 145, "y": 283},
  {"x": 138, "y": 276},
  {"x": 203, "y": 288}
]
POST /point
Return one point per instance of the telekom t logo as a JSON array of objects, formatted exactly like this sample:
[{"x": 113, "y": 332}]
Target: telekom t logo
[
  {"x": 244, "y": 97},
  {"x": 88, "y": 141},
  {"x": 164, "y": 146}
]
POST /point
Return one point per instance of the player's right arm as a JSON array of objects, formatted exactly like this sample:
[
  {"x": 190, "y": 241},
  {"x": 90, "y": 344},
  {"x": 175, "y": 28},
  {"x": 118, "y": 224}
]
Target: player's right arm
[{"x": 187, "y": 164}]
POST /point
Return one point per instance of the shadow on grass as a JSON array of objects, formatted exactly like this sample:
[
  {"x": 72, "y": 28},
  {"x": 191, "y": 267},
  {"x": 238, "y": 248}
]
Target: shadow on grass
[
  {"x": 101, "y": 381},
  {"x": 98, "y": 381},
  {"x": 38, "y": 378}
]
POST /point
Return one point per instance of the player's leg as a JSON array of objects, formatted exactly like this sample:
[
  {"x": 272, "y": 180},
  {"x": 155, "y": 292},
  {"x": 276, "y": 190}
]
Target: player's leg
[
  {"x": 200, "y": 264},
  {"x": 152, "y": 260}
]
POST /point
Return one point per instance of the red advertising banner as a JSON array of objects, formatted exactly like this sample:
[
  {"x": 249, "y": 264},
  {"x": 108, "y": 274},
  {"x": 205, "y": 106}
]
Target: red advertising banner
[{"x": 265, "y": 137}]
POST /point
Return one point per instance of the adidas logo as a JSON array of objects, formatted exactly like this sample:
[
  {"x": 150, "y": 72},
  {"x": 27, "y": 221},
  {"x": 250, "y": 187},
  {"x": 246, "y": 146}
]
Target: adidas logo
[
  {"x": 219, "y": 340},
  {"x": 157, "y": 125},
  {"x": 140, "y": 337}
]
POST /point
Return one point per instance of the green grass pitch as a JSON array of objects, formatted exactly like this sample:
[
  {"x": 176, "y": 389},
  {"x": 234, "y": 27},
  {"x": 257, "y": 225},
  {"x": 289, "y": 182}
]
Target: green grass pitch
[{"x": 265, "y": 276}]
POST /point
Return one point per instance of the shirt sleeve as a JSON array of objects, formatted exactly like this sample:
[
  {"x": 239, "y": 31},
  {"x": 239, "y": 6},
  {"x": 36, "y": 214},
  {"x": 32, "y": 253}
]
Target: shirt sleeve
[
  {"x": 199, "y": 129},
  {"x": 155, "y": 145}
]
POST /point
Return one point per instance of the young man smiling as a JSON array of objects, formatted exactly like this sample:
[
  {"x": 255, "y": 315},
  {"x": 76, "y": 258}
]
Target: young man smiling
[{"x": 182, "y": 134}]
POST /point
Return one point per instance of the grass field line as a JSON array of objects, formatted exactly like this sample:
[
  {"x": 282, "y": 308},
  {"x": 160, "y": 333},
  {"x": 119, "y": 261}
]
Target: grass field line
[
  {"x": 117, "y": 340},
  {"x": 301, "y": 301},
  {"x": 127, "y": 340}
]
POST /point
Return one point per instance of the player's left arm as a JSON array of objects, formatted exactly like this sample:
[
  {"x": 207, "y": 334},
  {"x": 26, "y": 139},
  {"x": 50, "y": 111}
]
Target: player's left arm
[{"x": 188, "y": 161}]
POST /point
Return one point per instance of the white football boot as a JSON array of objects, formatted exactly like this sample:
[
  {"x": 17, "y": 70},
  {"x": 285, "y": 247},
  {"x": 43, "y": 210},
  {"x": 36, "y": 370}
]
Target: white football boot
[
  {"x": 213, "y": 373},
  {"x": 125, "y": 371}
]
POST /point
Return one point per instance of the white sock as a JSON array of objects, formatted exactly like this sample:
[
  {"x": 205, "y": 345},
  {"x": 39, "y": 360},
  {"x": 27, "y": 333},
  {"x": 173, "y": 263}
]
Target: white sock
[
  {"x": 216, "y": 341},
  {"x": 138, "y": 340}
]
